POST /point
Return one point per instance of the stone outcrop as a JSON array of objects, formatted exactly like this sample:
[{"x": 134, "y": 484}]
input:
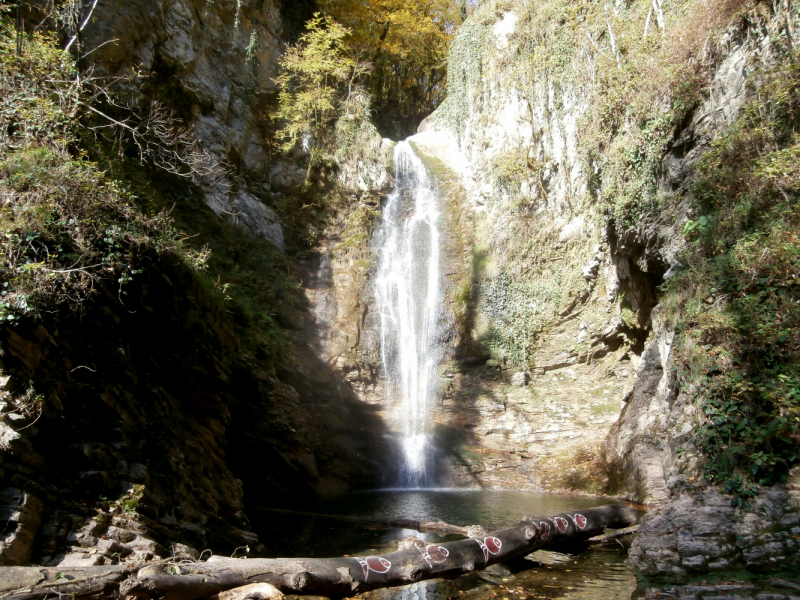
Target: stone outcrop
[
  {"x": 22, "y": 512},
  {"x": 220, "y": 59},
  {"x": 652, "y": 447},
  {"x": 216, "y": 62},
  {"x": 698, "y": 531},
  {"x": 653, "y": 424}
]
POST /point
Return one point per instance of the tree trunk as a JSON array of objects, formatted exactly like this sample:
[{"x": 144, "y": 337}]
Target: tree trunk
[
  {"x": 75, "y": 582},
  {"x": 414, "y": 561}
]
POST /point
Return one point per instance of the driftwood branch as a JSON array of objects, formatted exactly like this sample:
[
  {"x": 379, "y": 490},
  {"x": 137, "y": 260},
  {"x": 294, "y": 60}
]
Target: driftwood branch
[
  {"x": 611, "y": 537},
  {"x": 439, "y": 527},
  {"x": 253, "y": 591},
  {"x": 414, "y": 561}
]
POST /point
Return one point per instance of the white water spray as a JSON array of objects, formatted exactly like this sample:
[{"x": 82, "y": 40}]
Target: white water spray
[{"x": 408, "y": 299}]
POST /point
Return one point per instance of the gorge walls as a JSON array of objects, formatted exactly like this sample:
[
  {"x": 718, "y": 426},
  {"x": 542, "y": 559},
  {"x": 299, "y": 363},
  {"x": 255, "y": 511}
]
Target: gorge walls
[
  {"x": 575, "y": 138},
  {"x": 565, "y": 158}
]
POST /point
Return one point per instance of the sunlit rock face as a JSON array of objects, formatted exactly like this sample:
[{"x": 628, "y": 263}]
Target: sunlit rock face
[
  {"x": 539, "y": 359},
  {"x": 560, "y": 372},
  {"x": 660, "y": 418},
  {"x": 215, "y": 63}
]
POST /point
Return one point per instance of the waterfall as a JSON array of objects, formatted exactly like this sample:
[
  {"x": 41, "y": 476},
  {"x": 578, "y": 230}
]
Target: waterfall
[{"x": 408, "y": 289}]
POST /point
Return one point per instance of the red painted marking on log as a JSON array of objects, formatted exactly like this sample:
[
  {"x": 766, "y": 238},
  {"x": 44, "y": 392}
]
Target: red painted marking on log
[
  {"x": 493, "y": 544},
  {"x": 544, "y": 529},
  {"x": 378, "y": 564},
  {"x": 373, "y": 563},
  {"x": 562, "y": 524},
  {"x": 580, "y": 521},
  {"x": 437, "y": 553}
]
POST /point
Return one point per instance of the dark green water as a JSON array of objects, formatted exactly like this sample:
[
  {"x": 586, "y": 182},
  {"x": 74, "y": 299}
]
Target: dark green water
[{"x": 587, "y": 573}]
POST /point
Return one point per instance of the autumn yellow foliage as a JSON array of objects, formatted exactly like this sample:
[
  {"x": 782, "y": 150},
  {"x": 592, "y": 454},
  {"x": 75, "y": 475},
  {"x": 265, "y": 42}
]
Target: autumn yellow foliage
[
  {"x": 405, "y": 42},
  {"x": 313, "y": 73}
]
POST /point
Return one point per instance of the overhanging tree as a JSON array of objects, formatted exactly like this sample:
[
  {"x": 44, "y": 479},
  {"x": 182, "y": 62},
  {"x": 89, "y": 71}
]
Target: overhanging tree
[
  {"x": 406, "y": 43},
  {"x": 317, "y": 79}
]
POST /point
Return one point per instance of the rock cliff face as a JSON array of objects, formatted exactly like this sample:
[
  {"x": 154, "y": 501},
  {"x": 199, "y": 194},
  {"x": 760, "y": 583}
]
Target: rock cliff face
[
  {"x": 216, "y": 61},
  {"x": 150, "y": 428},
  {"x": 659, "y": 416},
  {"x": 220, "y": 59},
  {"x": 540, "y": 281},
  {"x": 698, "y": 531},
  {"x": 215, "y": 64},
  {"x": 561, "y": 361}
]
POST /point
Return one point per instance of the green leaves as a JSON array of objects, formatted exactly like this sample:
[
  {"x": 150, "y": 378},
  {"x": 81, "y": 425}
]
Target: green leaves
[
  {"x": 37, "y": 99},
  {"x": 737, "y": 300},
  {"x": 747, "y": 431},
  {"x": 65, "y": 225},
  {"x": 704, "y": 225},
  {"x": 406, "y": 43}
]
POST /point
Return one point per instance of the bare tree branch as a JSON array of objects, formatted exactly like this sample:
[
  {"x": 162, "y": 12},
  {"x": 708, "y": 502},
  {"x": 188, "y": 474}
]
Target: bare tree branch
[{"x": 81, "y": 28}]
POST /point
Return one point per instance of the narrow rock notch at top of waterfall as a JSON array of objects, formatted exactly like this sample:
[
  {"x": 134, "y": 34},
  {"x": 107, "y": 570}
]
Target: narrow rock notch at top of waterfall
[{"x": 408, "y": 299}]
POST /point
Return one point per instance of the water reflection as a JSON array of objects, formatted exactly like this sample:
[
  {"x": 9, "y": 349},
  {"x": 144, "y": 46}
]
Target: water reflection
[
  {"x": 490, "y": 508},
  {"x": 600, "y": 574}
]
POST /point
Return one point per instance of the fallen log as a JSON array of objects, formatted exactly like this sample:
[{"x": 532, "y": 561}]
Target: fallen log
[
  {"x": 77, "y": 582},
  {"x": 414, "y": 561}
]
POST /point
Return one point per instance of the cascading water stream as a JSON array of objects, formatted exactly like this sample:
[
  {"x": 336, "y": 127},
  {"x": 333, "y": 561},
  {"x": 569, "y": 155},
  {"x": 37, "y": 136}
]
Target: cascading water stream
[{"x": 408, "y": 291}]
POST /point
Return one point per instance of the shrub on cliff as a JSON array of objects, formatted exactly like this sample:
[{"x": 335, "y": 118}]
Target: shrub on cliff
[
  {"x": 316, "y": 84},
  {"x": 65, "y": 227},
  {"x": 738, "y": 304}
]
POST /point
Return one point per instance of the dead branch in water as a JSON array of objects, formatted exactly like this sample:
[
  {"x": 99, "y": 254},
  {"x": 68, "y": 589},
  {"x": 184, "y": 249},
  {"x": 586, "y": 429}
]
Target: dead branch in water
[{"x": 439, "y": 527}]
